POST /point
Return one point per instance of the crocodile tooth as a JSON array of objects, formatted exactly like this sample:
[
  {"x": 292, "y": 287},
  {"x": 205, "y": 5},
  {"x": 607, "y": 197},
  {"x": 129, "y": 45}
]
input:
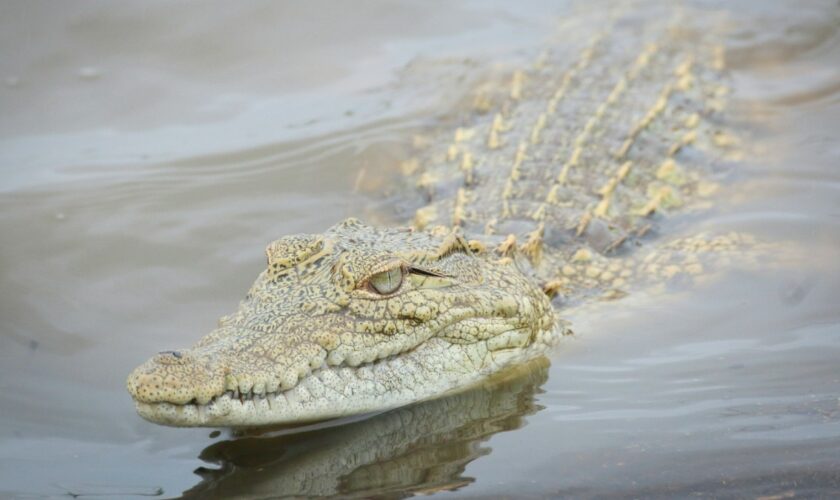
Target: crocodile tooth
[
  {"x": 335, "y": 358},
  {"x": 303, "y": 371},
  {"x": 384, "y": 352},
  {"x": 245, "y": 386},
  {"x": 372, "y": 356},
  {"x": 288, "y": 380},
  {"x": 316, "y": 363},
  {"x": 354, "y": 359}
]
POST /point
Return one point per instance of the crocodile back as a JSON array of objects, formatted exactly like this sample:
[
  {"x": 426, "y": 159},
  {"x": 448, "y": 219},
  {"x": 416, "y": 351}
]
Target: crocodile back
[{"x": 579, "y": 153}]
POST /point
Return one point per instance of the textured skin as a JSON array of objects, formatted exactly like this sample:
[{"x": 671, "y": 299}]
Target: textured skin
[{"x": 549, "y": 183}]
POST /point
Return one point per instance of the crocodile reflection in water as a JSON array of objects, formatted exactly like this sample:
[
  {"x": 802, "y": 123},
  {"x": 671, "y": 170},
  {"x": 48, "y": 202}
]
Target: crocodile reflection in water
[{"x": 415, "y": 449}]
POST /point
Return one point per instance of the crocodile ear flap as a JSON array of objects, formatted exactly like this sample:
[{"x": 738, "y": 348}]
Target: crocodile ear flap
[{"x": 289, "y": 251}]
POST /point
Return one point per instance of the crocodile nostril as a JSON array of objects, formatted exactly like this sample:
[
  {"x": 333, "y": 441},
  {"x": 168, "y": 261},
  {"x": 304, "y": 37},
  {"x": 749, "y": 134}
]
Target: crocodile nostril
[{"x": 176, "y": 354}]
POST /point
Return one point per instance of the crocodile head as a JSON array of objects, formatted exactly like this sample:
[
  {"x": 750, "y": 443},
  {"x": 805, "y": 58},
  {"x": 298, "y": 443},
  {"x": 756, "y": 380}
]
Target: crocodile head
[{"x": 354, "y": 320}]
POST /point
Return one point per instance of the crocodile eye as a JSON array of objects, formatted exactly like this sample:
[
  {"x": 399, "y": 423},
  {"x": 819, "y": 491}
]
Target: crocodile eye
[{"x": 387, "y": 282}]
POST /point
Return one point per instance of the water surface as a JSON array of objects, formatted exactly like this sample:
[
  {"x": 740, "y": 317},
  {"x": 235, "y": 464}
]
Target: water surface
[{"x": 149, "y": 152}]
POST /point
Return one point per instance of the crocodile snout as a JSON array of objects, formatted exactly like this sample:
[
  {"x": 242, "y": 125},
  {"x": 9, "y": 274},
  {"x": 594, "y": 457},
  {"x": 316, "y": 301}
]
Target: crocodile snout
[{"x": 175, "y": 377}]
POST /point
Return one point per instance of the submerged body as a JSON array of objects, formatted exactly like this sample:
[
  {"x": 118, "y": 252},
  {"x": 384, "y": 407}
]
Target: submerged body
[{"x": 539, "y": 198}]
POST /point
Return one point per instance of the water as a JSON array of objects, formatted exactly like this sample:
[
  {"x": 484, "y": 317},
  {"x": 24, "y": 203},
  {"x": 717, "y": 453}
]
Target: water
[{"x": 147, "y": 154}]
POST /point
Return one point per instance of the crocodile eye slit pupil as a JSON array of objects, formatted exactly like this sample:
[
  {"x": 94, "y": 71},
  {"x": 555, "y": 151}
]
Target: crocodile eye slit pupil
[{"x": 387, "y": 282}]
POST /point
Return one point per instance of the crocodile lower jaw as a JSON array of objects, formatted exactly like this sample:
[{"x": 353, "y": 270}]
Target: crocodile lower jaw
[{"x": 333, "y": 392}]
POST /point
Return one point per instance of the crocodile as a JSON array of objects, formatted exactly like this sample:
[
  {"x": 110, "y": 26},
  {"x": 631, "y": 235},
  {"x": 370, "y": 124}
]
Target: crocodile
[{"x": 549, "y": 190}]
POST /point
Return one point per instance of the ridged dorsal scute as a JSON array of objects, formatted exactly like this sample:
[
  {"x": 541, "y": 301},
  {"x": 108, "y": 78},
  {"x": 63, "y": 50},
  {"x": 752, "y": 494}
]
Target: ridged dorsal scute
[
  {"x": 291, "y": 251},
  {"x": 349, "y": 223},
  {"x": 453, "y": 242}
]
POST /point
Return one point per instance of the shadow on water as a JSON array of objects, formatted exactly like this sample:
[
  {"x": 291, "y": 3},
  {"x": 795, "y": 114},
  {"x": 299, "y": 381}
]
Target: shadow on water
[{"x": 422, "y": 448}]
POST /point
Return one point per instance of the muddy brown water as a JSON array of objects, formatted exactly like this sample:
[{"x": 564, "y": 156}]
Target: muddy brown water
[{"x": 148, "y": 152}]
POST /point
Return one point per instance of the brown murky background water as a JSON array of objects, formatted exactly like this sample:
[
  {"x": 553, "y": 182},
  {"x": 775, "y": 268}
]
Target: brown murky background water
[{"x": 149, "y": 151}]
